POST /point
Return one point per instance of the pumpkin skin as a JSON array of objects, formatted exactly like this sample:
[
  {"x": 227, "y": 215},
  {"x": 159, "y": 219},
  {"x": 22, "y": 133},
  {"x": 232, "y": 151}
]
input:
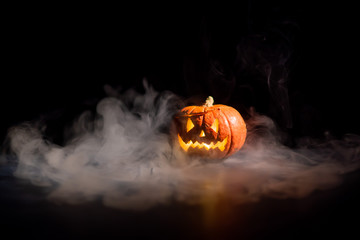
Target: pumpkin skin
[{"x": 212, "y": 131}]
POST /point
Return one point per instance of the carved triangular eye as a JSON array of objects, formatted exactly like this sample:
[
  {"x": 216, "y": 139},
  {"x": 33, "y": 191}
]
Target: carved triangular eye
[
  {"x": 215, "y": 125},
  {"x": 189, "y": 125}
]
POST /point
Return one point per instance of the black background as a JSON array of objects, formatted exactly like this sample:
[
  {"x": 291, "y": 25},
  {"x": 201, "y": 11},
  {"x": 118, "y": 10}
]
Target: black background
[{"x": 57, "y": 59}]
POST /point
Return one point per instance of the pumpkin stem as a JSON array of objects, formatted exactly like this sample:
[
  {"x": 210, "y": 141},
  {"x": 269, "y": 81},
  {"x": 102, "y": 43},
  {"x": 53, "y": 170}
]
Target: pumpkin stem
[{"x": 209, "y": 102}]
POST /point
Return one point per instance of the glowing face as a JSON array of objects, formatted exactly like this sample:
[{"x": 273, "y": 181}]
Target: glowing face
[
  {"x": 200, "y": 133},
  {"x": 209, "y": 131}
]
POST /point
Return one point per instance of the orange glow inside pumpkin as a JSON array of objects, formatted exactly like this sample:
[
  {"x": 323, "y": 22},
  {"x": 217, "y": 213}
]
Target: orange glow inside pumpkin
[
  {"x": 189, "y": 125},
  {"x": 221, "y": 145},
  {"x": 215, "y": 125}
]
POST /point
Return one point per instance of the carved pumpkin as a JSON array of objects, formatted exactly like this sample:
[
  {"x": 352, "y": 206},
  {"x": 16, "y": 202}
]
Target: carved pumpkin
[{"x": 213, "y": 131}]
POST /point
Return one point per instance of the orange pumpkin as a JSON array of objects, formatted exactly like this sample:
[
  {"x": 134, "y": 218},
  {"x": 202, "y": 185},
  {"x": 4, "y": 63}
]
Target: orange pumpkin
[{"x": 213, "y": 131}]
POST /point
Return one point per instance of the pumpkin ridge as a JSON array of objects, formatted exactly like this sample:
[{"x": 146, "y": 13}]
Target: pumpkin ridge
[
  {"x": 230, "y": 138},
  {"x": 191, "y": 110},
  {"x": 235, "y": 145}
]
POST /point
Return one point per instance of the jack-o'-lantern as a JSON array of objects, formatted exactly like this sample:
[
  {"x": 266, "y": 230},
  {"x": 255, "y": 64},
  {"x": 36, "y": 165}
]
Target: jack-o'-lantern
[{"x": 212, "y": 131}]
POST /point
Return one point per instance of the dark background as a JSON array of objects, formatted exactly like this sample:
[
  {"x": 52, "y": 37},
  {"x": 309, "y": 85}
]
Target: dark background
[{"x": 57, "y": 59}]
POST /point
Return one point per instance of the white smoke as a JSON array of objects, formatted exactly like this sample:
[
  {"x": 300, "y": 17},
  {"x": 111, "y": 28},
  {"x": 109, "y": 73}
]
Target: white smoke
[{"x": 124, "y": 156}]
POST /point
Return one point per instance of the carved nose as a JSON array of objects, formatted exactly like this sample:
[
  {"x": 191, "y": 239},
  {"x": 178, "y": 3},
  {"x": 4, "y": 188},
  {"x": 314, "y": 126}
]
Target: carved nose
[{"x": 202, "y": 134}]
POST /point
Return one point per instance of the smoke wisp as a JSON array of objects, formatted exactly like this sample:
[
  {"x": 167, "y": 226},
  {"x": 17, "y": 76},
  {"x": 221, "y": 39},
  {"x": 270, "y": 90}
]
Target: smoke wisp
[{"x": 125, "y": 157}]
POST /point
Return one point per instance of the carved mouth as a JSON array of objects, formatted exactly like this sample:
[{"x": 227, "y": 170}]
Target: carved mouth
[{"x": 218, "y": 144}]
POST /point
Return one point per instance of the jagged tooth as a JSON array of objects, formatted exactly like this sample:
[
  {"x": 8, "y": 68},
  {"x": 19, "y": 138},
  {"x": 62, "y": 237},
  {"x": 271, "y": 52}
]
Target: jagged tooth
[
  {"x": 196, "y": 144},
  {"x": 184, "y": 145},
  {"x": 222, "y": 145},
  {"x": 207, "y": 146},
  {"x": 189, "y": 144},
  {"x": 222, "y": 148},
  {"x": 216, "y": 145}
]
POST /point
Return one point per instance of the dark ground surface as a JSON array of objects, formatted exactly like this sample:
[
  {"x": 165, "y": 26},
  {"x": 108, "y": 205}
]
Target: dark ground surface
[{"x": 333, "y": 213}]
